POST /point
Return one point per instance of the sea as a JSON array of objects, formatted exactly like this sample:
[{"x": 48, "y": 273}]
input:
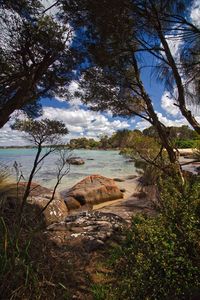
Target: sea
[{"x": 108, "y": 163}]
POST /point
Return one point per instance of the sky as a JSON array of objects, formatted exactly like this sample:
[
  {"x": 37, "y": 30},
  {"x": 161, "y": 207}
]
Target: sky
[{"x": 82, "y": 122}]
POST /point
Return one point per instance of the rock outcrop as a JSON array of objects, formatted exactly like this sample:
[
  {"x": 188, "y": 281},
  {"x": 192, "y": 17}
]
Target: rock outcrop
[
  {"x": 91, "y": 190},
  {"x": 75, "y": 161},
  {"x": 56, "y": 211},
  {"x": 92, "y": 229}
]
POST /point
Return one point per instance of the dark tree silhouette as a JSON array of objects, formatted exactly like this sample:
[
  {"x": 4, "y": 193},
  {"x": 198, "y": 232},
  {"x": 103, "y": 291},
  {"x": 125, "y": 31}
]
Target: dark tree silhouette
[{"x": 37, "y": 57}]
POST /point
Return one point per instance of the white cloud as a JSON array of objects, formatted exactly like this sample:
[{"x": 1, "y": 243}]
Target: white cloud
[
  {"x": 176, "y": 43},
  {"x": 195, "y": 13},
  {"x": 80, "y": 122},
  {"x": 48, "y": 3},
  {"x": 11, "y": 137},
  {"x": 72, "y": 89},
  {"x": 142, "y": 124},
  {"x": 88, "y": 122},
  {"x": 167, "y": 103}
]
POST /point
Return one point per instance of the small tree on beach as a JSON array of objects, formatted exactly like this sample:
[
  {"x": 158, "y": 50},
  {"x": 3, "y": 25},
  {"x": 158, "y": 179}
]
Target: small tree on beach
[{"x": 42, "y": 133}]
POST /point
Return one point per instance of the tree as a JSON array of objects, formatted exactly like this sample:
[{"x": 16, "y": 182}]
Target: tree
[
  {"x": 165, "y": 22},
  {"x": 104, "y": 142},
  {"x": 130, "y": 28},
  {"x": 183, "y": 132},
  {"x": 115, "y": 80},
  {"x": 121, "y": 138},
  {"x": 39, "y": 133},
  {"x": 37, "y": 57}
]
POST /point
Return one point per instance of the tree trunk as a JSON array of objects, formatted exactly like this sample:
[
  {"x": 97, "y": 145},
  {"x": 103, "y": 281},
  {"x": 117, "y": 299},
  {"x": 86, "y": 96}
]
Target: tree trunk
[
  {"x": 161, "y": 129},
  {"x": 28, "y": 186},
  {"x": 162, "y": 132},
  {"x": 25, "y": 92},
  {"x": 16, "y": 102}
]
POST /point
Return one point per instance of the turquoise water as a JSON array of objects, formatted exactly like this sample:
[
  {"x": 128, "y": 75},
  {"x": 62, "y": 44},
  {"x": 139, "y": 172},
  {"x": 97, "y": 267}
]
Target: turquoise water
[{"x": 107, "y": 163}]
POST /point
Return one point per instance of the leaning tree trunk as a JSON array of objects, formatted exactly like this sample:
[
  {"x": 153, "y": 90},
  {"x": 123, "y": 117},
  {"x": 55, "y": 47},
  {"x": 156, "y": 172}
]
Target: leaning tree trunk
[
  {"x": 161, "y": 129},
  {"x": 165, "y": 140},
  {"x": 17, "y": 102},
  {"x": 26, "y": 91},
  {"x": 181, "y": 93}
]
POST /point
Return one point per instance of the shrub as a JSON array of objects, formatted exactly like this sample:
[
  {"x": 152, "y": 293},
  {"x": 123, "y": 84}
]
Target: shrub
[
  {"x": 182, "y": 144},
  {"x": 160, "y": 257}
]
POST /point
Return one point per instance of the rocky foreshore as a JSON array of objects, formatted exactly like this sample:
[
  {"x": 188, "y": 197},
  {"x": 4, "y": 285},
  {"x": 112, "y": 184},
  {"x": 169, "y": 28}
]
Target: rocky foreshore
[{"x": 93, "y": 210}]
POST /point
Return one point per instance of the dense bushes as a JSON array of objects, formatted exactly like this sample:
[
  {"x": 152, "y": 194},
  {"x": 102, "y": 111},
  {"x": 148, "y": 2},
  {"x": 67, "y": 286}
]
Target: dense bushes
[
  {"x": 186, "y": 143},
  {"x": 160, "y": 257}
]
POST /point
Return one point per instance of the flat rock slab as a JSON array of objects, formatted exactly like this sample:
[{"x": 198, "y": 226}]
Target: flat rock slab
[
  {"x": 92, "y": 229},
  {"x": 127, "y": 208}
]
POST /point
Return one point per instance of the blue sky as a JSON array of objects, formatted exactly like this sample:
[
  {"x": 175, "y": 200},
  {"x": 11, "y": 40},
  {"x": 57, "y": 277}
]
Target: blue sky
[{"x": 82, "y": 122}]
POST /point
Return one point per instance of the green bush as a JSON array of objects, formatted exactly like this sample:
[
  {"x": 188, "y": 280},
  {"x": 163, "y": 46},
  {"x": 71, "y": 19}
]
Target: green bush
[
  {"x": 182, "y": 144},
  {"x": 160, "y": 257}
]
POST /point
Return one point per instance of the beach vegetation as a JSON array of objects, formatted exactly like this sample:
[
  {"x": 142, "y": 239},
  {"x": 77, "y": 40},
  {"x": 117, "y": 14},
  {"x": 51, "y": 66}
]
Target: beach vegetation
[
  {"x": 160, "y": 256},
  {"x": 23, "y": 272},
  {"x": 83, "y": 143}
]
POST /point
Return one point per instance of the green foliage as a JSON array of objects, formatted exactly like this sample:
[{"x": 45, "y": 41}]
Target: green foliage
[
  {"x": 148, "y": 155},
  {"x": 183, "y": 137},
  {"x": 197, "y": 150},
  {"x": 100, "y": 292},
  {"x": 104, "y": 142},
  {"x": 186, "y": 144},
  {"x": 83, "y": 143},
  {"x": 123, "y": 138},
  {"x": 160, "y": 257}
]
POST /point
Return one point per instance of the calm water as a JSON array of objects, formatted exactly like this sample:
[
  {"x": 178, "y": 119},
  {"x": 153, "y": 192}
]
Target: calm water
[{"x": 107, "y": 163}]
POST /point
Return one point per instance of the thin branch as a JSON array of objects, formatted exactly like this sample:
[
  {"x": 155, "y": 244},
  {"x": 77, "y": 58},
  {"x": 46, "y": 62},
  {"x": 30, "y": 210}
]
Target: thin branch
[{"x": 48, "y": 8}]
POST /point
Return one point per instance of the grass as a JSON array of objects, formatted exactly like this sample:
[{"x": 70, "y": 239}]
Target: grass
[{"x": 99, "y": 291}]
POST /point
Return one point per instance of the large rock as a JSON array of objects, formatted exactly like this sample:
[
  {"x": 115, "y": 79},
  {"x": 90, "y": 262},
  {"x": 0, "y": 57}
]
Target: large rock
[
  {"x": 92, "y": 190},
  {"x": 39, "y": 197},
  {"x": 56, "y": 211},
  {"x": 75, "y": 161}
]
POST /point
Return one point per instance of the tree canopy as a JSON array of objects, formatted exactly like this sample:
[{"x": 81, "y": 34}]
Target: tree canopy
[
  {"x": 43, "y": 132},
  {"x": 124, "y": 36},
  {"x": 131, "y": 30},
  {"x": 37, "y": 56}
]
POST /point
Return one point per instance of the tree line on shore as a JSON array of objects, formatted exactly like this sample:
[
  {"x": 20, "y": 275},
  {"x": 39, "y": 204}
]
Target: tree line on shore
[{"x": 182, "y": 137}]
